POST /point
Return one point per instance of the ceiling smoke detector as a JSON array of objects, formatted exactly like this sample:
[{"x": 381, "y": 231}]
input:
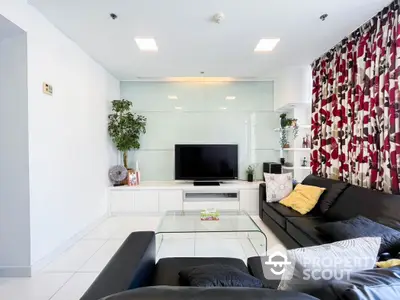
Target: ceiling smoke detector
[
  {"x": 323, "y": 17},
  {"x": 218, "y": 18}
]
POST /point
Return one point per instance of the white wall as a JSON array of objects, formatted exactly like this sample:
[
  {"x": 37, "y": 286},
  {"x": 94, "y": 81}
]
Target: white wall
[
  {"x": 14, "y": 157},
  {"x": 68, "y": 143},
  {"x": 248, "y": 121},
  {"x": 293, "y": 86}
]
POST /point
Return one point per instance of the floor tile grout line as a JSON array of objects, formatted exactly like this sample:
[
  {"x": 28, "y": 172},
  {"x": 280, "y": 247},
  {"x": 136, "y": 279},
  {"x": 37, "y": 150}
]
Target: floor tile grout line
[
  {"x": 92, "y": 255},
  {"x": 55, "y": 293}
]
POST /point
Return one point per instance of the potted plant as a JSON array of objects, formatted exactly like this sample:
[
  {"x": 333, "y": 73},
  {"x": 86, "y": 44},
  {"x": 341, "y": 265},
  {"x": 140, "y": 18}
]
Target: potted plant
[
  {"x": 125, "y": 127},
  {"x": 250, "y": 173},
  {"x": 284, "y": 121}
]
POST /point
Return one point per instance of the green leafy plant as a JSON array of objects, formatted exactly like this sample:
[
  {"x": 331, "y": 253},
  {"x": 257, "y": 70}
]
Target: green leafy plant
[
  {"x": 283, "y": 140},
  {"x": 125, "y": 127},
  {"x": 250, "y": 170}
]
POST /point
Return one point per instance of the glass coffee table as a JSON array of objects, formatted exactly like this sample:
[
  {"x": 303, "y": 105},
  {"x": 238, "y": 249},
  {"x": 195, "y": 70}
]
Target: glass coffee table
[{"x": 184, "y": 234}]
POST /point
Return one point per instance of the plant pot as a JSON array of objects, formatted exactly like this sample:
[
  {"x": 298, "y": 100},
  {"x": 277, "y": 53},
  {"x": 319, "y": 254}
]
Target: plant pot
[
  {"x": 282, "y": 160},
  {"x": 250, "y": 177},
  {"x": 286, "y": 146}
]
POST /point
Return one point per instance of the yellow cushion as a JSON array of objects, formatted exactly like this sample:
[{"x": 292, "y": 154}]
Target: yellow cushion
[
  {"x": 389, "y": 263},
  {"x": 303, "y": 198}
]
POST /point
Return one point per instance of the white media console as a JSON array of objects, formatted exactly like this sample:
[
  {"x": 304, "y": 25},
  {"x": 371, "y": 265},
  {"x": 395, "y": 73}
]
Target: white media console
[{"x": 159, "y": 197}]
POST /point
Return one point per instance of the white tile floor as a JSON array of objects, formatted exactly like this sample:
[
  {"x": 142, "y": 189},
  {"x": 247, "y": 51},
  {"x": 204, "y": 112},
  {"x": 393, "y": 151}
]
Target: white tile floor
[{"x": 69, "y": 275}]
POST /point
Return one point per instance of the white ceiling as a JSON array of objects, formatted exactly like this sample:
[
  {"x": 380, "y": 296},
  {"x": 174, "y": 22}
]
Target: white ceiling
[
  {"x": 8, "y": 29},
  {"x": 189, "y": 42}
]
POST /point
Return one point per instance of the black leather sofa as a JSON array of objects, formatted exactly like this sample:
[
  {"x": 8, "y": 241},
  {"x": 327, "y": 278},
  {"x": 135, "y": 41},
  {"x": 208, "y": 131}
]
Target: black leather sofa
[
  {"x": 296, "y": 230},
  {"x": 132, "y": 273}
]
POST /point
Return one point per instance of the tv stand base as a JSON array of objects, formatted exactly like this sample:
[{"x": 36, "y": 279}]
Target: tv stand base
[{"x": 206, "y": 183}]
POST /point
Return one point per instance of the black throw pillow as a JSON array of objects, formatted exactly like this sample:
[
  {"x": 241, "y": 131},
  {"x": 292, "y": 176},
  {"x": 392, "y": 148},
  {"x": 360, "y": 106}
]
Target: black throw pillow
[
  {"x": 362, "y": 227},
  {"x": 334, "y": 189},
  {"x": 218, "y": 275}
]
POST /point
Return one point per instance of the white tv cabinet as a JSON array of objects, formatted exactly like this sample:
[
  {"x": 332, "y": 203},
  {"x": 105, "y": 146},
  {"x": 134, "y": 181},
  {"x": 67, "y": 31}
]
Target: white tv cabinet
[{"x": 159, "y": 197}]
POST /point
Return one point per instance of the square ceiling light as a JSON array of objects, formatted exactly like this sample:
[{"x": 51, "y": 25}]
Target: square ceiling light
[
  {"x": 230, "y": 98},
  {"x": 173, "y": 97},
  {"x": 146, "y": 44},
  {"x": 266, "y": 45}
]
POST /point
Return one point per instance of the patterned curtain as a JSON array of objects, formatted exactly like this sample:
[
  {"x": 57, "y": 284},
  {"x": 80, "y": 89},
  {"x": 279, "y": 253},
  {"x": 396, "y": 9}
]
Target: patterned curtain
[{"x": 356, "y": 106}]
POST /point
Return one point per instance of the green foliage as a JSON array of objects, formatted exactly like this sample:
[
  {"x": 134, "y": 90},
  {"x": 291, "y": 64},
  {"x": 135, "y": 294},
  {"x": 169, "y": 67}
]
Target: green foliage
[
  {"x": 250, "y": 169},
  {"x": 124, "y": 126}
]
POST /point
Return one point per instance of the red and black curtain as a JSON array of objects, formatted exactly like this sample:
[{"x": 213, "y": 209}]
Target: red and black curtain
[{"x": 356, "y": 106}]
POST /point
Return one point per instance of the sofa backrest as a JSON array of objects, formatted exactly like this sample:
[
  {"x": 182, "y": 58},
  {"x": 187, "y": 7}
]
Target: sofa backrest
[
  {"x": 334, "y": 188},
  {"x": 131, "y": 267},
  {"x": 206, "y": 293},
  {"x": 379, "y": 207}
]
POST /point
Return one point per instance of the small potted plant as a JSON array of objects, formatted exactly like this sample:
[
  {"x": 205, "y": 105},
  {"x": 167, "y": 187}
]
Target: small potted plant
[{"x": 250, "y": 173}]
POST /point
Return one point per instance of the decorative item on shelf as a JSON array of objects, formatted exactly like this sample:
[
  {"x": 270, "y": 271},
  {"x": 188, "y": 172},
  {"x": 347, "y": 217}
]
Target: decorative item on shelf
[
  {"x": 137, "y": 170},
  {"x": 308, "y": 140},
  {"x": 250, "y": 173},
  {"x": 288, "y": 164},
  {"x": 132, "y": 179},
  {"x": 283, "y": 121},
  {"x": 125, "y": 127},
  {"x": 304, "y": 162},
  {"x": 209, "y": 215},
  {"x": 286, "y": 146},
  {"x": 304, "y": 145},
  {"x": 117, "y": 175},
  {"x": 295, "y": 128},
  {"x": 282, "y": 160}
]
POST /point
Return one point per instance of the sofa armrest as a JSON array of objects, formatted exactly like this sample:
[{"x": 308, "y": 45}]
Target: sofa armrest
[
  {"x": 131, "y": 267},
  {"x": 261, "y": 198}
]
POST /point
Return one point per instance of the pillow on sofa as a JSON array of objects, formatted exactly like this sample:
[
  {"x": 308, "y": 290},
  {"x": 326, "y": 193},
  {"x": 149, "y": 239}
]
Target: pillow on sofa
[
  {"x": 361, "y": 227},
  {"x": 303, "y": 199},
  {"x": 334, "y": 189},
  {"x": 218, "y": 275},
  {"x": 278, "y": 186},
  {"x": 311, "y": 267}
]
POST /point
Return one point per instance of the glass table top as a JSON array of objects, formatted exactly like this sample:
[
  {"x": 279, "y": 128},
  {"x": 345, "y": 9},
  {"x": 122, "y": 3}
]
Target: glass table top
[{"x": 189, "y": 221}]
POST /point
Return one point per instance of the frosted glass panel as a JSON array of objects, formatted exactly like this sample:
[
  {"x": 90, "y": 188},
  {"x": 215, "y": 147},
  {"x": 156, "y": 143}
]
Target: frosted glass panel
[{"x": 248, "y": 121}]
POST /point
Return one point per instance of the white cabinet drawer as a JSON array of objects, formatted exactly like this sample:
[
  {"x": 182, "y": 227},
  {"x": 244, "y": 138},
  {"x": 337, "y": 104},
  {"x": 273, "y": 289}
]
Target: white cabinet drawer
[
  {"x": 122, "y": 201},
  {"x": 146, "y": 201},
  {"x": 170, "y": 200}
]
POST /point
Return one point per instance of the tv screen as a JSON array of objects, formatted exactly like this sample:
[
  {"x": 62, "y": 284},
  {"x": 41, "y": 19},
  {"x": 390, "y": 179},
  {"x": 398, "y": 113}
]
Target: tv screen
[{"x": 206, "y": 162}]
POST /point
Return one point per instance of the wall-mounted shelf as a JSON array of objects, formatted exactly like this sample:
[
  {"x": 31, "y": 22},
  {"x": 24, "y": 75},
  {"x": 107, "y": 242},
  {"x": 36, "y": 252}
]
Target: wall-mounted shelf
[
  {"x": 296, "y": 149},
  {"x": 290, "y": 127},
  {"x": 296, "y": 168}
]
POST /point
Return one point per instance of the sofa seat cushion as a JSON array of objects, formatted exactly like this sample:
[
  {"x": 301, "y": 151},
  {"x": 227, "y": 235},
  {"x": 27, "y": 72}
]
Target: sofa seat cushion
[
  {"x": 279, "y": 213},
  {"x": 167, "y": 269},
  {"x": 382, "y": 284},
  {"x": 218, "y": 275},
  {"x": 304, "y": 232}
]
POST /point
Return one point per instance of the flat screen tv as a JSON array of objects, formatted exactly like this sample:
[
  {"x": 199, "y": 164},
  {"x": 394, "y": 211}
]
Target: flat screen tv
[{"x": 206, "y": 162}]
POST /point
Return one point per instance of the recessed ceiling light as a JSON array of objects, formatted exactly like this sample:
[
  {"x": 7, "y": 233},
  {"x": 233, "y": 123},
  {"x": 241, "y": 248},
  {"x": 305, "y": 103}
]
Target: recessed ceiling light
[
  {"x": 178, "y": 107},
  {"x": 146, "y": 44},
  {"x": 230, "y": 98},
  {"x": 173, "y": 97},
  {"x": 222, "y": 108},
  {"x": 266, "y": 45}
]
